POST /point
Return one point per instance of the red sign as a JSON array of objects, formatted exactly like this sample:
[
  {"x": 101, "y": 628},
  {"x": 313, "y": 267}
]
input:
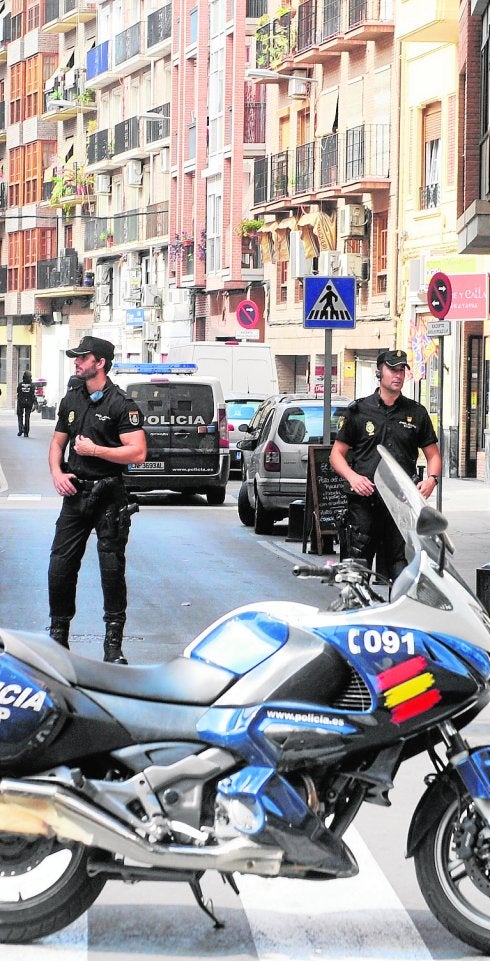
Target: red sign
[
  {"x": 439, "y": 295},
  {"x": 247, "y": 314}
]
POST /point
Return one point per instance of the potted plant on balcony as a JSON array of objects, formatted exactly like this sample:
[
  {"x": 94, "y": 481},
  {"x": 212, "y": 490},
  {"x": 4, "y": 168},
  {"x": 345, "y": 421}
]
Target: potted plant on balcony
[
  {"x": 248, "y": 227},
  {"x": 107, "y": 237}
]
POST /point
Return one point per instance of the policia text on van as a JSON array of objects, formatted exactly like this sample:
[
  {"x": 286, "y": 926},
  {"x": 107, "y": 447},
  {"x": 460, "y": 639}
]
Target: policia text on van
[{"x": 186, "y": 430}]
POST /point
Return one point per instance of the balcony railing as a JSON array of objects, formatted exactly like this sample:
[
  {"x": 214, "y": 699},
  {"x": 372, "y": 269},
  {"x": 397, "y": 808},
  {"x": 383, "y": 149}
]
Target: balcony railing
[
  {"x": 430, "y": 196},
  {"x": 128, "y": 44},
  {"x": 95, "y": 229},
  {"x": 254, "y": 122},
  {"x": 126, "y": 227},
  {"x": 59, "y": 272},
  {"x": 319, "y": 23},
  {"x": 98, "y": 147},
  {"x": 98, "y": 60},
  {"x": 159, "y": 25},
  {"x": 2, "y": 114},
  {"x": 251, "y": 254},
  {"x": 255, "y": 8},
  {"x": 126, "y": 135},
  {"x": 336, "y": 161},
  {"x": 274, "y": 42},
  {"x": 306, "y": 25},
  {"x": 3, "y": 279},
  {"x": 159, "y": 129},
  {"x": 156, "y": 221}
]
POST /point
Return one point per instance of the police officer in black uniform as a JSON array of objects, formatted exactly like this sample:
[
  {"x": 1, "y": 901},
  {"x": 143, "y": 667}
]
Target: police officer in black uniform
[
  {"x": 402, "y": 426},
  {"x": 102, "y": 430}
]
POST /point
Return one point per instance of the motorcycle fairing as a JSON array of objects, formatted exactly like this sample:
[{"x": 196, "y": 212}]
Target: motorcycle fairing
[
  {"x": 241, "y": 640},
  {"x": 30, "y": 714}
]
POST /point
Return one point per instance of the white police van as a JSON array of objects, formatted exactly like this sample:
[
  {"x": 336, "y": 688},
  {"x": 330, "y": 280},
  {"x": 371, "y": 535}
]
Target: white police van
[{"x": 185, "y": 426}]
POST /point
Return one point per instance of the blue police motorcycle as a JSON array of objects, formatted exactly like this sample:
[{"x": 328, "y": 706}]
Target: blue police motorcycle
[{"x": 253, "y": 752}]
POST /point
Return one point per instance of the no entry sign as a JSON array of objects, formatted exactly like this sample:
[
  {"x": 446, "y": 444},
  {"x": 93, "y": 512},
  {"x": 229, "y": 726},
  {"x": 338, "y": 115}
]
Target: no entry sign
[
  {"x": 247, "y": 314},
  {"x": 439, "y": 295}
]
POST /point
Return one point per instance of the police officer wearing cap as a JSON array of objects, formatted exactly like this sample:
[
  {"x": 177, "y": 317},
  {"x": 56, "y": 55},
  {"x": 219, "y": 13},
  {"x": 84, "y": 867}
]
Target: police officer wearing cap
[
  {"x": 101, "y": 430},
  {"x": 402, "y": 426}
]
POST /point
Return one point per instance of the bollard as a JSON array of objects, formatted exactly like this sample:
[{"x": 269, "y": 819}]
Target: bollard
[
  {"x": 296, "y": 520},
  {"x": 483, "y": 586}
]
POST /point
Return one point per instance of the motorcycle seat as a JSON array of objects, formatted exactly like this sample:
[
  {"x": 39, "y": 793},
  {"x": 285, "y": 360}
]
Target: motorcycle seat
[{"x": 181, "y": 680}]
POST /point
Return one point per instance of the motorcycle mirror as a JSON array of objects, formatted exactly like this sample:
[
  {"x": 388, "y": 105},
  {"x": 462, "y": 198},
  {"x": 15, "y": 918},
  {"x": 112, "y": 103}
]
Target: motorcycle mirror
[{"x": 430, "y": 521}]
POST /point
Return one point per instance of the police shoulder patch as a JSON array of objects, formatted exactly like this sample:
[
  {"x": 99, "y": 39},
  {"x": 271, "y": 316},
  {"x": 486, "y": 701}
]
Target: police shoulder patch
[
  {"x": 134, "y": 417},
  {"x": 71, "y": 417}
]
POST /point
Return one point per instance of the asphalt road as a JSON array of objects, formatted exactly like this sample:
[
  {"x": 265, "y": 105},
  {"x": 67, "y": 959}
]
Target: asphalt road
[{"x": 188, "y": 564}]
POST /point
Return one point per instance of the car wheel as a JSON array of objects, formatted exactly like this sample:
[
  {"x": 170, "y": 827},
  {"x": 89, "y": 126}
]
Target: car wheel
[
  {"x": 264, "y": 520},
  {"x": 246, "y": 512},
  {"x": 216, "y": 496}
]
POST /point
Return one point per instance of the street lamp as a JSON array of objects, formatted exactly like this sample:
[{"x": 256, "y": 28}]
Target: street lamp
[
  {"x": 54, "y": 104},
  {"x": 153, "y": 115}
]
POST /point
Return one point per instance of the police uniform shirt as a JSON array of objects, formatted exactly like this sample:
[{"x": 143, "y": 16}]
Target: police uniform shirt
[
  {"x": 402, "y": 428},
  {"x": 102, "y": 421}
]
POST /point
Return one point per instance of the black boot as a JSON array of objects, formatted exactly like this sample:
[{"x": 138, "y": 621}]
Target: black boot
[
  {"x": 113, "y": 643},
  {"x": 59, "y": 630}
]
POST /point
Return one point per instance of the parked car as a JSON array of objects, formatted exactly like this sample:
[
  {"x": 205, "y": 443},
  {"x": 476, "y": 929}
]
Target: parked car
[
  {"x": 185, "y": 427},
  {"x": 275, "y": 449},
  {"x": 239, "y": 412}
]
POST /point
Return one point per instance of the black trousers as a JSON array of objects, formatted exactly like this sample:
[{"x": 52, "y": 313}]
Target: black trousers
[
  {"x": 372, "y": 533},
  {"x": 73, "y": 528},
  {"x": 24, "y": 418}
]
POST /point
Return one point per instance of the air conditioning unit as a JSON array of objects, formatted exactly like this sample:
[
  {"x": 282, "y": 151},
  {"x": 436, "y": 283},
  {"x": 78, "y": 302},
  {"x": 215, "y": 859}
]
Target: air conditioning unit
[
  {"x": 298, "y": 88},
  {"x": 103, "y": 274},
  {"x": 351, "y": 265},
  {"x": 300, "y": 265},
  {"x": 417, "y": 284},
  {"x": 151, "y": 331},
  {"x": 103, "y": 295},
  {"x": 150, "y": 296},
  {"x": 103, "y": 184},
  {"x": 165, "y": 160},
  {"x": 131, "y": 285},
  {"x": 352, "y": 221},
  {"x": 134, "y": 173},
  {"x": 133, "y": 260},
  {"x": 177, "y": 295},
  {"x": 329, "y": 263}
]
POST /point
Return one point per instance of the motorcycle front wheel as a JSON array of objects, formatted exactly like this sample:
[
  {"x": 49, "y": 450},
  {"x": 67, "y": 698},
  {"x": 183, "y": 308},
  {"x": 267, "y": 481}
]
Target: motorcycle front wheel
[
  {"x": 44, "y": 886},
  {"x": 453, "y": 870}
]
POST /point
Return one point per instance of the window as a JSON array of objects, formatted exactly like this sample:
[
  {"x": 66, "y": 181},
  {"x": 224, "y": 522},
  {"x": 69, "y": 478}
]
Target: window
[
  {"x": 17, "y": 21},
  {"x": 33, "y": 16},
  {"x": 15, "y": 258},
  {"x": 431, "y": 145},
  {"x": 17, "y": 77},
  {"x": 216, "y": 100},
  {"x": 213, "y": 226},
  {"x": 193, "y": 22},
  {"x": 30, "y": 260},
  {"x": 282, "y": 282},
  {"x": 380, "y": 250},
  {"x": 16, "y": 177},
  {"x": 3, "y": 364}
]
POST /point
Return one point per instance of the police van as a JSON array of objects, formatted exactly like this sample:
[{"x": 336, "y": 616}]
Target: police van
[{"x": 185, "y": 426}]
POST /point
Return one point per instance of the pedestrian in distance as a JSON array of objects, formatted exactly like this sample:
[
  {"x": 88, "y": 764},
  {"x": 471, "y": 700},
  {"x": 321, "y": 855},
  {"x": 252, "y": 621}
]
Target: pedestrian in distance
[
  {"x": 26, "y": 397},
  {"x": 100, "y": 430},
  {"x": 404, "y": 427}
]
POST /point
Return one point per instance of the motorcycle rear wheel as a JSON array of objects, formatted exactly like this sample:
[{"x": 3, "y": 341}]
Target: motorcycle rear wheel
[
  {"x": 44, "y": 886},
  {"x": 456, "y": 888}
]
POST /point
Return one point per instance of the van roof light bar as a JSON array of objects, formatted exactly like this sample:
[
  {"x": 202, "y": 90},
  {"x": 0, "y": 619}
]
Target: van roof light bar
[{"x": 121, "y": 367}]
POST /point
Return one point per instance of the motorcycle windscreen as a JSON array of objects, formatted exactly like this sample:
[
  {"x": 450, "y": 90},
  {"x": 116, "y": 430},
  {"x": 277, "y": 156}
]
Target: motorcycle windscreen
[
  {"x": 29, "y": 714},
  {"x": 240, "y": 641},
  {"x": 180, "y": 425}
]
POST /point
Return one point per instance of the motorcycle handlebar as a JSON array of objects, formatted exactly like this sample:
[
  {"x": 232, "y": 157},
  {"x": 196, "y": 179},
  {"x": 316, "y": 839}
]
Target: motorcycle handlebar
[{"x": 326, "y": 573}]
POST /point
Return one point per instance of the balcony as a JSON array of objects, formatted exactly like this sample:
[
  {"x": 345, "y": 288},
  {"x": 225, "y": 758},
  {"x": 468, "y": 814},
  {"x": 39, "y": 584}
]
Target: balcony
[
  {"x": 159, "y": 32},
  {"x": 156, "y": 222},
  {"x": 64, "y": 15},
  {"x": 62, "y": 277},
  {"x": 128, "y": 50},
  {"x": 340, "y": 25},
  {"x": 3, "y": 198},
  {"x": 429, "y": 21},
  {"x": 253, "y": 128},
  {"x": 100, "y": 150},
  {"x": 255, "y": 9},
  {"x": 274, "y": 43},
  {"x": 429, "y": 196},
  {"x": 100, "y": 70},
  {"x": 65, "y": 103},
  {"x": 474, "y": 229},
  {"x": 343, "y": 164},
  {"x": 128, "y": 141},
  {"x": 3, "y": 280},
  {"x": 3, "y": 129},
  {"x": 157, "y": 132}
]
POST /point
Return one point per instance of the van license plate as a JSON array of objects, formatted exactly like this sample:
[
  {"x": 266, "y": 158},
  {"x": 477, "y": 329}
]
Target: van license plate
[{"x": 148, "y": 465}]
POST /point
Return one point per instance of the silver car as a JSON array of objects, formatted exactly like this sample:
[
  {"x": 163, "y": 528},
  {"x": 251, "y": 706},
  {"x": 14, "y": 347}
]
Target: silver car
[{"x": 276, "y": 462}]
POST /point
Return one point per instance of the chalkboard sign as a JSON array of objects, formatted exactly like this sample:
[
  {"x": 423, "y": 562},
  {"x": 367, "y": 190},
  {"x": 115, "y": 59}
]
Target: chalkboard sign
[{"x": 326, "y": 500}]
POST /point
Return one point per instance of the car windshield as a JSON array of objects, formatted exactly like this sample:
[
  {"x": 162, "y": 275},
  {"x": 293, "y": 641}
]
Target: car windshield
[
  {"x": 303, "y": 424},
  {"x": 241, "y": 411}
]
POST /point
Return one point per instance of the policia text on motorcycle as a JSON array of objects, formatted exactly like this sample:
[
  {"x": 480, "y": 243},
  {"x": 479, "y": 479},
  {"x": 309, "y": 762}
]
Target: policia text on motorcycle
[
  {"x": 102, "y": 431},
  {"x": 403, "y": 426}
]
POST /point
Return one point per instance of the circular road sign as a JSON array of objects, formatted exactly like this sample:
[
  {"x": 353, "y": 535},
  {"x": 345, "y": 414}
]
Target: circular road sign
[
  {"x": 247, "y": 314},
  {"x": 439, "y": 295}
]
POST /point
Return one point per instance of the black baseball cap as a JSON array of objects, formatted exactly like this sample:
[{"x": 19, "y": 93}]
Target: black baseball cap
[
  {"x": 93, "y": 345},
  {"x": 392, "y": 358}
]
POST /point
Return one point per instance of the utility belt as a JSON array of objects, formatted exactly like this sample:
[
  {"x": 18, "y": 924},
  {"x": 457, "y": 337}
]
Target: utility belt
[{"x": 83, "y": 484}]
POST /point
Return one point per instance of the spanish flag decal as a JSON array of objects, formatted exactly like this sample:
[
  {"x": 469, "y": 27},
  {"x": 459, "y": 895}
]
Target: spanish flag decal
[{"x": 408, "y": 689}]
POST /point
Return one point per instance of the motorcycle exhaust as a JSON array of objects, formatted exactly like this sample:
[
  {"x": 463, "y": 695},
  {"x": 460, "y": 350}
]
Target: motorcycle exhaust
[{"x": 37, "y": 808}]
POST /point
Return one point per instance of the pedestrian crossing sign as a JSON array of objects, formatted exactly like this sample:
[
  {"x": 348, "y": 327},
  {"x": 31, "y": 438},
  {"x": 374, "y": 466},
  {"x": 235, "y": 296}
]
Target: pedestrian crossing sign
[{"x": 329, "y": 302}]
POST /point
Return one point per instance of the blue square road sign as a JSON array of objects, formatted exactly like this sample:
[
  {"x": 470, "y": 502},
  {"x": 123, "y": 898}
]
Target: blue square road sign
[{"x": 329, "y": 302}]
